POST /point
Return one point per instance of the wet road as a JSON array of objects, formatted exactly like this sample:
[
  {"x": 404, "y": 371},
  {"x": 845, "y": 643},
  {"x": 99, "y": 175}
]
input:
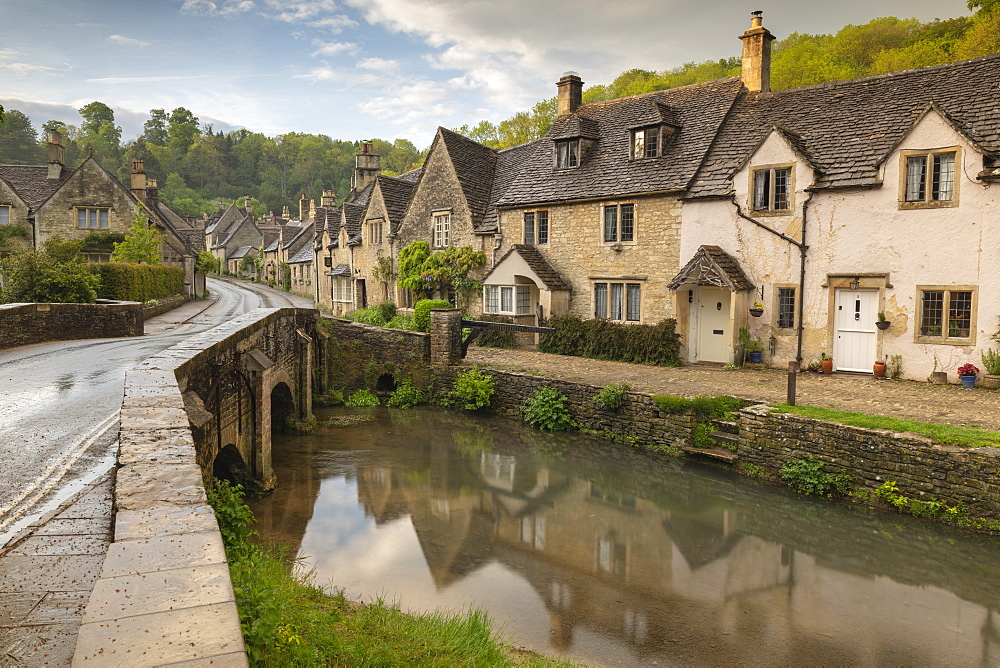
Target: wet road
[{"x": 59, "y": 402}]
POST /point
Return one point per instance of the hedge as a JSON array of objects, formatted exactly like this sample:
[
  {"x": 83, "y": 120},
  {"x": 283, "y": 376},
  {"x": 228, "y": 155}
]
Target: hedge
[
  {"x": 422, "y": 312},
  {"x": 138, "y": 282},
  {"x": 496, "y": 338},
  {"x": 607, "y": 340}
]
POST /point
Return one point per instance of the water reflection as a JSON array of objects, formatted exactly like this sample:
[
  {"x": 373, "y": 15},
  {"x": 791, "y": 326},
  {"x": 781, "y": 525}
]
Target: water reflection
[{"x": 613, "y": 557}]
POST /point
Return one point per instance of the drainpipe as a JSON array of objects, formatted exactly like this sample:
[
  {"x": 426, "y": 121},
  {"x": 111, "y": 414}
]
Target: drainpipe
[{"x": 803, "y": 248}]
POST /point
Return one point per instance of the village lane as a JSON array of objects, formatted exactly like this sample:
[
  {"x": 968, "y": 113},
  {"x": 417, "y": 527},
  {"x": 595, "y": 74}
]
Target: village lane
[{"x": 59, "y": 417}]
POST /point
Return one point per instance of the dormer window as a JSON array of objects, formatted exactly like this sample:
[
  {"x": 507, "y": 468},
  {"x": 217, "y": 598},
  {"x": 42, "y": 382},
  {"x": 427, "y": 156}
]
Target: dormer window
[
  {"x": 772, "y": 189},
  {"x": 645, "y": 143},
  {"x": 567, "y": 153}
]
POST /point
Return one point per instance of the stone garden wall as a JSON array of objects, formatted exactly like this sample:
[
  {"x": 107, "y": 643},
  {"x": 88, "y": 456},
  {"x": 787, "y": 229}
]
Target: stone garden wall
[
  {"x": 24, "y": 324},
  {"x": 358, "y": 355}
]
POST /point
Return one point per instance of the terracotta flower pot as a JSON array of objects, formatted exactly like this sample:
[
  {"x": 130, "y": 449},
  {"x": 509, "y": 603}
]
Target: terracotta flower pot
[
  {"x": 879, "y": 370},
  {"x": 827, "y": 366}
]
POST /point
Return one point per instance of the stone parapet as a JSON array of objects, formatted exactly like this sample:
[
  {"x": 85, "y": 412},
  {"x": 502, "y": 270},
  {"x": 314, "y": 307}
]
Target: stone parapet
[{"x": 25, "y": 324}]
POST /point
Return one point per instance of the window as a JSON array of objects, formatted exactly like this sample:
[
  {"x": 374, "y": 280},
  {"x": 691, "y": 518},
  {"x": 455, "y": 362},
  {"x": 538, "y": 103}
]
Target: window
[
  {"x": 618, "y": 301},
  {"x": 567, "y": 153},
  {"x": 92, "y": 218},
  {"x": 507, "y": 299},
  {"x": 947, "y": 314},
  {"x": 4, "y": 215},
  {"x": 930, "y": 178},
  {"x": 536, "y": 227},
  {"x": 340, "y": 289},
  {"x": 442, "y": 229},
  {"x": 375, "y": 231},
  {"x": 772, "y": 189},
  {"x": 645, "y": 143},
  {"x": 786, "y": 308},
  {"x": 97, "y": 258},
  {"x": 619, "y": 223}
]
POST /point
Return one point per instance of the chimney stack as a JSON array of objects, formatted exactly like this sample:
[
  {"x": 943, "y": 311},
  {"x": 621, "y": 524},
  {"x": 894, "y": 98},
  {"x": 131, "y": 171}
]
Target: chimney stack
[
  {"x": 152, "y": 191},
  {"x": 138, "y": 180},
  {"x": 328, "y": 199},
  {"x": 570, "y": 93},
  {"x": 312, "y": 208},
  {"x": 756, "y": 71},
  {"x": 303, "y": 207},
  {"x": 57, "y": 155},
  {"x": 367, "y": 165},
  {"x": 284, "y": 212}
]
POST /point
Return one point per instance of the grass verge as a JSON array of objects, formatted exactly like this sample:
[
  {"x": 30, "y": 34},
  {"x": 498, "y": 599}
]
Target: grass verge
[
  {"x": 289, "y": 621},
  {"x": 965, "y": 437}
]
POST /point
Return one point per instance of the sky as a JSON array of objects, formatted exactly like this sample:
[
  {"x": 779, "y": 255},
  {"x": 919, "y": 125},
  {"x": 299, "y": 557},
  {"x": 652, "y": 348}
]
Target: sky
[{"x": 364, "y": 69}]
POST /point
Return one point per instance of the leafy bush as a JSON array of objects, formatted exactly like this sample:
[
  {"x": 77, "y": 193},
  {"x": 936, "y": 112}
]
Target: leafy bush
[
  {"x": 386, "y": 310},
  {"x": 361, "y": 398},
  {"x": 607, "y": 340},
  {"x": 611, "y": 397},
  {"x": 406, "y": 395},
  {"x": 422, "y": 312},
  {"x": 138, "y": 282},
  {"x": 401, "y": 321},
  {"x": 331, "y": 398},
  {"x": 807, "y": 476},
  {"x": 207, "y": 263},
  {"x": 57, "y": 274},
  {"x": 367, "y": 316},
  {"x": 496, "y": 338},
  {"x": 473, "y": 389},
  {"x": 702, "y": 407},
  {"x": 991, "y": 361},
  {"x": 547, "y": 410},
  {"x": 232, "y": 513}
]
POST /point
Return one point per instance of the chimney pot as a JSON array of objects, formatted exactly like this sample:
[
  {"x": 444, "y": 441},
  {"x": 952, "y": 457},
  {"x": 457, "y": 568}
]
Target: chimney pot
[
  {"x": 57, "y": 155},
  {"x": 570, "y": 93}
]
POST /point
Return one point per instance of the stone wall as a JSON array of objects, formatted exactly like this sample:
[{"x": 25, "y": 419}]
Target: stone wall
[
  {"x": 90, "y": 187},
  {"x": 358, "y": 355},
  {"x": 163, "y": 305},
  {"x": 25, "y": 324}
]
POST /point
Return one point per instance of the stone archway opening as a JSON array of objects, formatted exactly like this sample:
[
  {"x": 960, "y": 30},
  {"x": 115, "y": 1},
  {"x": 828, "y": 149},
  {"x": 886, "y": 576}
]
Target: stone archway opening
[
  {"x": 229, "y": 466},
  {"x": 386, "y": 384},
  {"x": 283, "y": 413}
]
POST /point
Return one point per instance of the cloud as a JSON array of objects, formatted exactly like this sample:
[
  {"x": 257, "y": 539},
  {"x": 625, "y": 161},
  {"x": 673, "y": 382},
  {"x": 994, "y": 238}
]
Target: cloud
[
  {"x": 133, "y": 80},
  {"x": 126, "y": 41},
  {"x": 210, "y": 8},
  {"x": 314, "y": 13},
  {"x": 379, "y": 64},
  {"x": 333, "y": 48}
]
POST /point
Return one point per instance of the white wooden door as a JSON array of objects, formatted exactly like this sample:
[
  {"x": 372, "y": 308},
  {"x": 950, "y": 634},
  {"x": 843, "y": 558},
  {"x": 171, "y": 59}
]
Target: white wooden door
[
  {"x": 854, "y": 330},
  {"x": 714, "y": 325}
]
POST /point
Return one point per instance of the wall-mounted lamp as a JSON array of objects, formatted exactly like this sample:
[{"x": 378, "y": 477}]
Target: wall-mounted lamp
[
  {"x": 856, "y": 283},
  {"x": 690, "y": 296}
]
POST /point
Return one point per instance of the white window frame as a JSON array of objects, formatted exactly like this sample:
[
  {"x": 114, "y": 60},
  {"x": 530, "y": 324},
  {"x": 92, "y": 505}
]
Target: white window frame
[
  {"x": 507, "y": 299},
  {"x": 767, "y": 195},
  {"x": 618, "y": 300},
  {"x": 342, "y": 289},
  {"x": 442, "y": 229},
  {"x": 96, "y": 218},
  {"x": 936, "y": 185}
]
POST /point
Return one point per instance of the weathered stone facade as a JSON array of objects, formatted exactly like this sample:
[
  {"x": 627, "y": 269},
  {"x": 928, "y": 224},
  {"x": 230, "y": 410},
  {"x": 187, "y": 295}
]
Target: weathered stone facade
[
  {"x": 24, "y": 324},
  {"x": 90, "y": 186}
]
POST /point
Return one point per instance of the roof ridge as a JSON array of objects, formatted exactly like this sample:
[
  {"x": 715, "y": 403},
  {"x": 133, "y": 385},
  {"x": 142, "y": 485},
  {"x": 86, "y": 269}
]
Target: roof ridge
[{"x": 655, "y": 92}]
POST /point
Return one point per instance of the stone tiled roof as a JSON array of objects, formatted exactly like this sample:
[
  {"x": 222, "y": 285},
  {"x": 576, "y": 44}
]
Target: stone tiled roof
[
  {"x": 411, "y": 176},
  {"x": 194, "y": 238},
  {"x": 352, "y": 222},
  {"x": 552, "y": 279},
  {"x": 239, "y": 253},
  {"x": 340, "y": 270},
  {"x": 509, "y": 164},
  {"x": 605, "y": 169},
  {"x": 305, "y": 254},
  {"x": 474, "y": 164},
  {"x": 847, "y": 128},
  {"x": 32, "y": 183},
  {"x": 301, "y": 239},
  {"x": 396, "y": 194},
  {"x": 712, "y": 266}
]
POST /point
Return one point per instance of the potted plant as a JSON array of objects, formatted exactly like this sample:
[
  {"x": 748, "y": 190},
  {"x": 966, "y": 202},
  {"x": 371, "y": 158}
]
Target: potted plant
[
  {"x": 879, "y": 369},
  {"x": 991, "y": 360},
  {"x": 967, "y": 373},
  {"x": 882, "y": 323},
  {"x": 826, "y": 362},
  {"x": 755, "y": 349},
  {"x": 757, "y": 309}
]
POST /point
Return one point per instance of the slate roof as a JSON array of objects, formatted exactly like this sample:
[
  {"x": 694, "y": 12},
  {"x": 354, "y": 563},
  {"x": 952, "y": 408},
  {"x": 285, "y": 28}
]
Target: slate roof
[
  {"x": 305, "y": 254},
  {"x": 239, "y": 253},
  {"x": 533, "y": 257},
  {"x": 352, "y": 222},
  {"x": 396, "y": 194},
  {"x": 340, "y": 270},
  {"x": 509, "y": 164},
  {"x": 411, "y": 176},
  {"x": 606, "y": 170},
  {"x": 32, "y": 183},
  {"x": 474, "y": 164},
  {"x": 711, "y": 265},
  {"x": 194, "y": 238},
  {"x": 847, "y": 128}
]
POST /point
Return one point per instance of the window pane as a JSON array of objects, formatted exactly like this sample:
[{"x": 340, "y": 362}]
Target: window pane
[
  {"x": 492, "y": 298},
  {"x": 944, "y": 177},
  {"x": 932, "y": 312},
  {"x": 786, "y": 308},
  {"x": 761, "y": 189},
  {"x": 782, "y": 189},
  {"x": 563, "y": 150},
  {"x": 652, "y": 144},
  {"x": 600, "y": 300},
  {"x": 529, "y": 228},
  {"x": 447, "y": 229},
  {"x": 507, "y": 299},
  {"x": 543, "y": 227},
  {"x": 628, "y": 226},
  {"x": 104, "y": 217},
  {"x": 632, "y": 310},
  {"x": 611, "y": 223},
  {"x": 573, "y": 148},
  {"x": 81, "y": 217},
  {"x": 915, "y": 178},
  {"x": 523, "y": 299},
  {"x": 4, "y": 215},
  {"x": 959, "y": 314},
  {"x": 616, "y": 301},
  {"x": 638, "y": 144}
]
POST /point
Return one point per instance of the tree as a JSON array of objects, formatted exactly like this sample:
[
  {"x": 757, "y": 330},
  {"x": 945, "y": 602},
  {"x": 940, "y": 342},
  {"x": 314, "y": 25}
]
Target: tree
[
  {"x": 142, "y": 242},
  {"x": 155, "y": 130},
  {"x": 57, "y": 273},
  {"x": 182, "y": 131},
  {"x": 18, "y": 141},
  {"x": 425, "y": 272}
]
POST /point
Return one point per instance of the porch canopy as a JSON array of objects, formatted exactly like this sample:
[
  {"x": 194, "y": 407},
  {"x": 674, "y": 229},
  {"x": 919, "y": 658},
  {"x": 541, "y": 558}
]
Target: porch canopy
[{"x": 711, "y": 265}]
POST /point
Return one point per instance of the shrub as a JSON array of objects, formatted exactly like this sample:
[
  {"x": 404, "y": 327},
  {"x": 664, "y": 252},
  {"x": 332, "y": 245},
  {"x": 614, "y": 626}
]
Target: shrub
[
  {"x": 331, "y": 398},
  {"x": 807, "y": 476},
  {"x": 401, "y": 321},
  {"x": 473, "y": 389},
  {"x": 231, "y": 512},
  {"x": 207, "y": 263},
  {"x": 367, "y": 316},
  {"x": 547, "y": 410},
  {"x": 703, "y": 408},
  {"x": 406, "y": 395},
  {"x": 361, "y": 398},
  {"x": 386, "y": 310},
  {"x": 496, "y": 338},
  {"x": 991, "y": 361},
  {"x": 56, "y": 274},
  {"x": 138, "y": 282},
  {"x": 604, "y": 339},
  {"x": 611, "y": 397},
  {"x": 422, "y": 312}
]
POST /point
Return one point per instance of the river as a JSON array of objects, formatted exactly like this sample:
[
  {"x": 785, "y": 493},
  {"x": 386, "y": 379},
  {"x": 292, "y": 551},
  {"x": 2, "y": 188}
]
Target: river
[{"x": 609, "y": 556}]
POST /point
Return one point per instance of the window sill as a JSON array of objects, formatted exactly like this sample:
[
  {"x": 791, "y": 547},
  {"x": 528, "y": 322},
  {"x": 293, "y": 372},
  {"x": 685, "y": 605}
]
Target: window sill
[
  {"x": 951, "y": 341},
  {"x": 772, "y": 214},
  {"x": 904, "y": 206}
]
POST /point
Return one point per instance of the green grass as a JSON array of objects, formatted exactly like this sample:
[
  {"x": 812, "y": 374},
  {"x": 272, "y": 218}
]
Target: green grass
[
  {"x": 289, "y": 621},
  {"x": 943, "y": 433}
]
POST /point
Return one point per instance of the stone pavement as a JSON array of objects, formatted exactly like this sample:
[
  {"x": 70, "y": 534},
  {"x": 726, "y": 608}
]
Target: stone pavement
[
  {"x": 943, "y": 404},
  {"x": 46, "y": 576}
]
